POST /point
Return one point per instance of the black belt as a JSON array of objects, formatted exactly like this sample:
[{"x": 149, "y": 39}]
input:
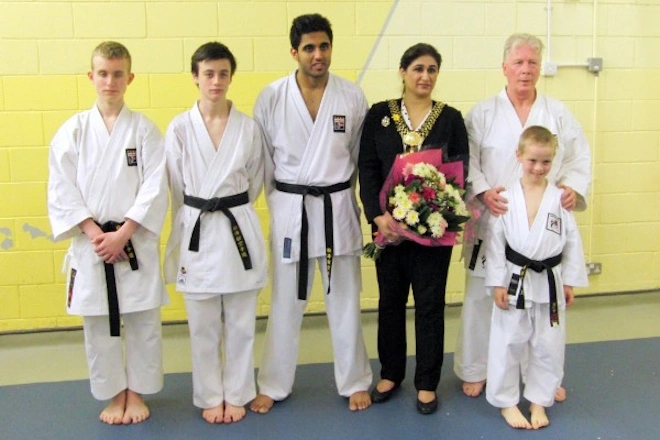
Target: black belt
[
  {"x": 315, "y": 191},
  {"x": 111, "y": 282},
  {"x": 536, "y": 266},
  {"x": 475, "y": 254},
  {"x": 220, "y": 204}
]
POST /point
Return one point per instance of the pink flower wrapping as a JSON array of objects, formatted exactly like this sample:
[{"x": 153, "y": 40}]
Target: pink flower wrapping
[{"x": 424, "y": 195}]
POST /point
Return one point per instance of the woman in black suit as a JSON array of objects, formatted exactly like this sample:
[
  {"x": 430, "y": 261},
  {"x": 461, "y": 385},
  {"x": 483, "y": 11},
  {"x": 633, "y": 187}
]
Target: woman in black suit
[{"x": 413, "y": 122}]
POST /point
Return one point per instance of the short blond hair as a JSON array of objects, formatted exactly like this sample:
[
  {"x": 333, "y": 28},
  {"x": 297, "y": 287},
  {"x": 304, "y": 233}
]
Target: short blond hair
[
  {"x": 516, "y": 40},
  {"x": 537, "y": 135},
  {"x": 111, "y": 50}
]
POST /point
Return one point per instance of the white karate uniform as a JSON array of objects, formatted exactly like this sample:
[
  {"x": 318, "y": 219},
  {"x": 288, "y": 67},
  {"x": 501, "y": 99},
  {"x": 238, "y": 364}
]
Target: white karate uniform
[
  {"x": 553, "y": 231},
  {"x": 494, "y": 130},
  {"x": 299, "y": 150},
  {"x": 110, "y": 177},
  {"x": 220, "y": 293}
]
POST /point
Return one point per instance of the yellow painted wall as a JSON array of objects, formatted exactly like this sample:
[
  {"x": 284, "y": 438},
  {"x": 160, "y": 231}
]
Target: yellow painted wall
[{"x": 44, "y": 55}]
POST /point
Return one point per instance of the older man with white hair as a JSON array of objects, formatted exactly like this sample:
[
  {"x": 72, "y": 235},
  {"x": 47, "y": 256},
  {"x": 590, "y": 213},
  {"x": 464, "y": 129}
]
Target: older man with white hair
[{"x": 494, "y": 127}]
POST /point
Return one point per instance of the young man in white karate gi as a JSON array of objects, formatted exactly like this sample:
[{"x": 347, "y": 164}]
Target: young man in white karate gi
[
  {"x": 494, "y": 127},
  {"x": 535, "y": 257},
  {"x": 107, "y": 192},
  {"x": 312, "y": 122},
  {"x": 216, "y": 253}
]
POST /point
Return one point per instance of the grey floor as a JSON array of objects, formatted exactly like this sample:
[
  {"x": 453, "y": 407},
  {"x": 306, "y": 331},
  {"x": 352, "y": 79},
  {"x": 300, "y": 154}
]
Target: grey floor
[{"x": 59, "y": 356}]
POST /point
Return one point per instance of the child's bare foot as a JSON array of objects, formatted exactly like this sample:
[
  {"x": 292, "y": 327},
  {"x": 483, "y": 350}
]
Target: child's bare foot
[
  {"x": 136, "y": 410},
  {"x": 215, "y": 414},
  {"x": 514, "y": 418},
  {"x": 233, "y": 413},
  {"x": 113, "y": 414},
  {"x": 473, "y": 389},
  {"x": 359, "y": 400},
  {"x": 538, "y": 416},
  {"x": 262, "y": 404},
  {"x": 560, "y": 394}
]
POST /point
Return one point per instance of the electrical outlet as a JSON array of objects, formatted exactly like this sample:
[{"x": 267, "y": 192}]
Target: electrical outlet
[
  {"x": 549, "y": 68},
  {"x": 594, "y": 268},
  {"x": 594, "y": 65}
]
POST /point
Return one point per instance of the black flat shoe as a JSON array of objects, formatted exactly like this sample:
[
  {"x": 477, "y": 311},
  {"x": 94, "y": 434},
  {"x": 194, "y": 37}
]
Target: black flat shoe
[
  {"x": 384, "y": 396},
  {"x": 428, "y": 407}
]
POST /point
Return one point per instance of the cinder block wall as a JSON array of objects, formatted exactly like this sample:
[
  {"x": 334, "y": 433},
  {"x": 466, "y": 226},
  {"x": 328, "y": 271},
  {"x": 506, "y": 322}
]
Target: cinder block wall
[{"x": 44, "y": 56}]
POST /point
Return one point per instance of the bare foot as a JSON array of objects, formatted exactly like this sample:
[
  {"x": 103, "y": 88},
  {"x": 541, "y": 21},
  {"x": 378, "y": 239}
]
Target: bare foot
[
  {"x": 538, "y": 417},
  {"x": 114, "y": 412},
  {"x": 262, "y": 404},
  {"x": 560, "y": 394},
  {"x": 215, "y": 414},
  {"x": 473, "y": 389},
  {"x": 359, "y": 400},
  {"x": 514, "y": 418},
  {"x": 233, "y": 413},
  {"x": 136, "y": 410}
]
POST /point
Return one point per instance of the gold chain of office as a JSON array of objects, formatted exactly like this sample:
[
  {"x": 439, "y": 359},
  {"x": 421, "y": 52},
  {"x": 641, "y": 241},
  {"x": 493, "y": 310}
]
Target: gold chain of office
[{"x": 413, "y": 139}]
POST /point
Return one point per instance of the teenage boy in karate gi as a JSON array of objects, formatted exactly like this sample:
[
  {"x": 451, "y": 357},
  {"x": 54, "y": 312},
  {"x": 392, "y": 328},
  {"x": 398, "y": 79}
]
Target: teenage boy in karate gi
[
  {"x": 107, "y": 192},
  {"x": 216, "y": 253}
]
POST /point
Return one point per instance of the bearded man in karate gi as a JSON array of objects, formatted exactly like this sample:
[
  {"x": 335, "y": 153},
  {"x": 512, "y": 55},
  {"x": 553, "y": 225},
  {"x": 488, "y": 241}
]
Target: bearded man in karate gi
[
  {"x": 494, "y": 127},
  {"x": 216, "y": 253},
  {"x": 107, "y": 192},
  {"x": 312, "y": 121}
]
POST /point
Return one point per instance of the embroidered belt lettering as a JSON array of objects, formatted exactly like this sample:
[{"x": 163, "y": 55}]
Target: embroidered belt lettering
[
  {"x": 220, "y": 204},
  {"x": 314, "y": 191}
]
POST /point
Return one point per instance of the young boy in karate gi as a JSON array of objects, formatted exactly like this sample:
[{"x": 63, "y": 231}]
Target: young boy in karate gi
[
  {"x": 107, "y": 192},
  {"x": 535, "y": 257},
  {"x": 216, "y": 253}
]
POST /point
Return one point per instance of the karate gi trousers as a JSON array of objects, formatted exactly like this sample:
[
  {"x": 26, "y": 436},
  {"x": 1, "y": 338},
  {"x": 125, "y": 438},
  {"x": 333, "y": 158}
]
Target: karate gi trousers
[
  {"x": 351, "y": 364},
  {"x": 228, "y": 319},
  {"x": 143, "y": 372},
  {"x": 513, "y": 332},
  {"x": 471, "y": 356}
]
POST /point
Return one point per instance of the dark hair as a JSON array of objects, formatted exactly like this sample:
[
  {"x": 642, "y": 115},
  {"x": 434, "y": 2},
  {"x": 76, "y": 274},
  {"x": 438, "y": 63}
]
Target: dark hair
[
  {"x": 416, "y": 51},
  {"x": 209, "y": 52},
  {"x": 308, "y": 23}
]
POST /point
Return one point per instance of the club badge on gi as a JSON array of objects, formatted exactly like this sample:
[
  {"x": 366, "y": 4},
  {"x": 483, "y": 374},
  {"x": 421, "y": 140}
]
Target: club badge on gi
[
  {"x": 339, "y": 123},
  {"x": 131, "y": 157},
  {"x": 553, "y": 224}
]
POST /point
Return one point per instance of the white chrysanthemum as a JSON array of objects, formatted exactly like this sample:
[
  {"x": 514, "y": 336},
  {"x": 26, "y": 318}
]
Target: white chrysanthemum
[
  {"x": 412, "y": 218},
  {"x": 425, "y": 170},
  {"x": 421, "y": 229},
  {"x": 405, "y": 204},
  {"x": 434, "y": 219},
  {"x": 399, "y": 213},
  {"x": 399, "y": 189},
  {"x": 391, "y": 201},
  {"x": 461, "y": 209}
]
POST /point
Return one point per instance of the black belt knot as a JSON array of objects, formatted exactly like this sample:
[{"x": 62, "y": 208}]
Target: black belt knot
[
  {"x": 221, "y": 204},
  {"x": 314, "y": 191},
  {"x": 111, "y": 282},
  {"x": 537, "y": 266}
]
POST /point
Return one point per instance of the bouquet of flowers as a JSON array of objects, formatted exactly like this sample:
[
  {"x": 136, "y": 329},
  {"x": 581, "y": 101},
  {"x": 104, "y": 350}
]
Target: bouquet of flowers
[{"x": 424, "y": 196}]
